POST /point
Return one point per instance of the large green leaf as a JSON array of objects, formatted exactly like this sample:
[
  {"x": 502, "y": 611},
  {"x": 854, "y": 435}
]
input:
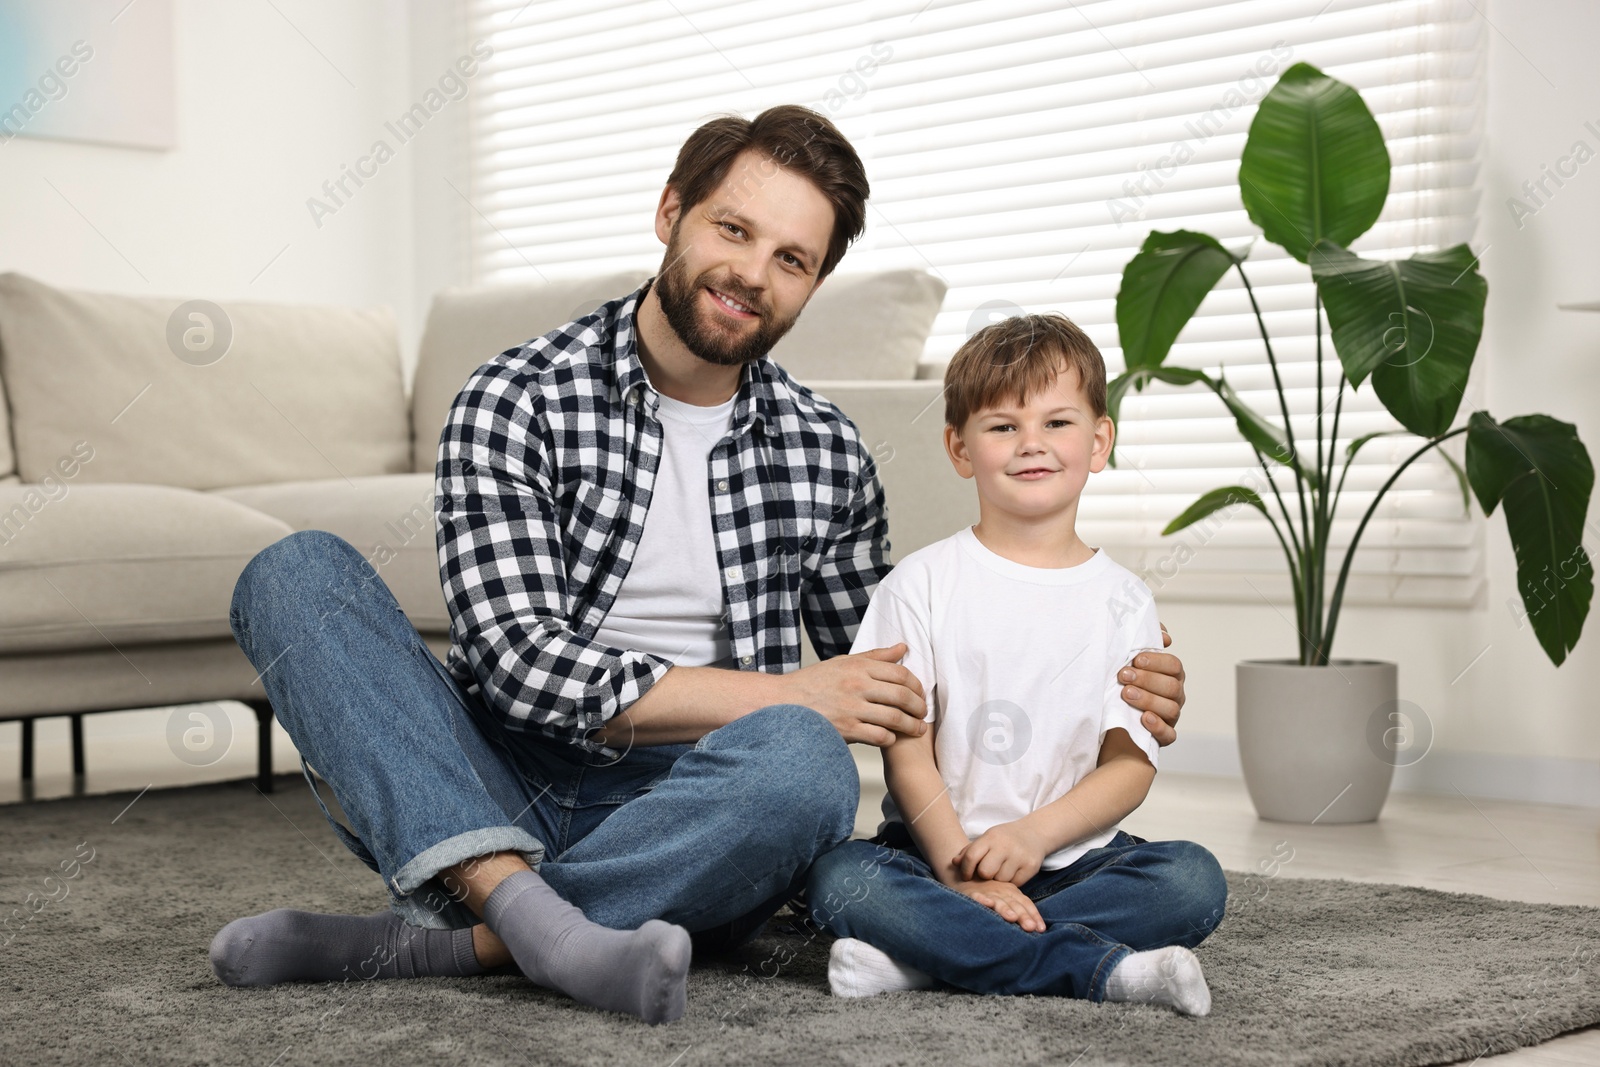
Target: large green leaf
[
  {"x": 1215, "y": 500},
  {"x": 1412, "y": 324},
  {"x": 1161, "y": 288},
  {"x": 1540, "y": 469},
  {"x": 1266, "y": 438},
  {"x": 1314, "y": 165}
]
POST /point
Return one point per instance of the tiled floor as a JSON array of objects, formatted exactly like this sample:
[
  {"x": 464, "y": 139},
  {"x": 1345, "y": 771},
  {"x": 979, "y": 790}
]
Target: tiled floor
[{"x": 1462, "y": 844}]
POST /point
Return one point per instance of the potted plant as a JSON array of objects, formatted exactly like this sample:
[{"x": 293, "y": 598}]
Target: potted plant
[{"x": 1314, "y": 176}]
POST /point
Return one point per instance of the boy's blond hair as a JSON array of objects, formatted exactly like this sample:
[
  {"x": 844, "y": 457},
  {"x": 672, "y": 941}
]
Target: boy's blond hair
[{"x": 1014, "y": 359}]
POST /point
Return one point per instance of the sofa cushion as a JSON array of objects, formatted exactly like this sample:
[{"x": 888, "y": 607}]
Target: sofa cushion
[
  {"x": 902, "y": 425},
  {"x": 301, "y": 391},
  {"x": 863, "y": 326},
  {"x": 467, "y": 327},
  {"x": 86, "y": 566},
  {"x": 390, "y": 521}
]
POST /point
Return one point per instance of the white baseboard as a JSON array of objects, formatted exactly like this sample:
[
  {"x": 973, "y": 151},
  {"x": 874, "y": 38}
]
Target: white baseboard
[{"x": 1531, "y": 779}]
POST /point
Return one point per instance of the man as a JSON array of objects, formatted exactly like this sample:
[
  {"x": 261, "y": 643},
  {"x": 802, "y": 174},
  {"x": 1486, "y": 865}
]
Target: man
[{"x": 635, "y": 512}]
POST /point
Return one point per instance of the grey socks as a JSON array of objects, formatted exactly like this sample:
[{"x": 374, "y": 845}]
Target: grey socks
[
  {"x": 1169, "y": 976},
  {"x": 642, "y": 972},
  {"x": 302, "y": 946}
]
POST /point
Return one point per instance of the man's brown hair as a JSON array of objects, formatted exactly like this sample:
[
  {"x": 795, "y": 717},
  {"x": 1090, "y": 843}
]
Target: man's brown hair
[
  {"x": 797, "y": 139},
  {"x": 1016, "y": 358}
]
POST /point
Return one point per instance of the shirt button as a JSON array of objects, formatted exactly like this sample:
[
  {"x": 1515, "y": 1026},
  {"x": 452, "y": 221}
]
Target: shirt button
[
  {"x": 722, "y": 484},
  {"x": 747, "y": 660},
  {"x": 734, "y": 572}
]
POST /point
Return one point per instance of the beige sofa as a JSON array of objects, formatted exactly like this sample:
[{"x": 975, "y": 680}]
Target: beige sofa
[{"x": 149, "y": 447}]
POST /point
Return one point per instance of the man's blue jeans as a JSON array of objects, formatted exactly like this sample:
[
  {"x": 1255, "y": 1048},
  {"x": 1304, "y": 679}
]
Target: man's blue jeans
[
  {"x": 701, "y": 835},
  {"x": 1128, "y": 896}
]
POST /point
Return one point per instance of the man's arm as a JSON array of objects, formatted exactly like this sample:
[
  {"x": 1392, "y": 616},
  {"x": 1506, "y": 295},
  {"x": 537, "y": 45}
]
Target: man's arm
[
  {"x": 835, "y": 597},
  {"x": 504, "y": 573},
  {"x": 868, "y": 697}
]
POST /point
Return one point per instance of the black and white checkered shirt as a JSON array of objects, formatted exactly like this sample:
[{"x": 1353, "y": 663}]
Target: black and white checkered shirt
[{"x": 544, "y": 478}]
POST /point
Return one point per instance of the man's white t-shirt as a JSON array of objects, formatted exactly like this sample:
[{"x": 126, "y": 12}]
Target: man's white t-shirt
[
  {"x": 1019, "y": 665},
  {"x": 670, "y": 603}
]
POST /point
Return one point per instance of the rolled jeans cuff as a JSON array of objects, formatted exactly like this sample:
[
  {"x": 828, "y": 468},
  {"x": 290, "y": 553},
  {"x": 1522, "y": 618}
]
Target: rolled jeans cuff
[{"x": 418, "y": 896}]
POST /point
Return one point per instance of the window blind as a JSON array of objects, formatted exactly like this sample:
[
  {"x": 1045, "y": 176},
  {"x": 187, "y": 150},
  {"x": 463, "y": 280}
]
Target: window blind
[{"x": 1022, "y": 150}]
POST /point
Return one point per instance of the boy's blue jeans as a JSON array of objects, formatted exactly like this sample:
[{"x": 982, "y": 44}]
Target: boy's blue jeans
[
  {"x": 1128, "y": 896},
  {"x": 713, "y": 836}
]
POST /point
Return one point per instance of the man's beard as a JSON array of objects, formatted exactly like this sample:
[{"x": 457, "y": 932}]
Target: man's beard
[{"x": 679, "y": 295}]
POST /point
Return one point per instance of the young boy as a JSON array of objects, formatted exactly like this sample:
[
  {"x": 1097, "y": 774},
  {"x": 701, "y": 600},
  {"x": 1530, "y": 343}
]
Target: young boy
[{"x": 999, "y": 867}]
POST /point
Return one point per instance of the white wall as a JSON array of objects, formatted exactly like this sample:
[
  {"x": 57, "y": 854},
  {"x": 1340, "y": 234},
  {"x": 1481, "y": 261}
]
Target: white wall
[
  {"x": 441, "y": 171},
  {"x": 269, "y": 107},
  {"x": 1512, "y": 725}
]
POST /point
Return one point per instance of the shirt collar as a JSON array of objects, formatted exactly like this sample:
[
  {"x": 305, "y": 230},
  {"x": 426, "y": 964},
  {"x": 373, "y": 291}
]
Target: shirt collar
[{"x": 755, "y": 402}]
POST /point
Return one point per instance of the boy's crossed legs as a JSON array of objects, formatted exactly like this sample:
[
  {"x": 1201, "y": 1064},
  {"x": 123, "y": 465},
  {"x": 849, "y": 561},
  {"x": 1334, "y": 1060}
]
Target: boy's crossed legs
[
  {"x": 1114, "y": 905},
  {"x": 701, "y": 836}
]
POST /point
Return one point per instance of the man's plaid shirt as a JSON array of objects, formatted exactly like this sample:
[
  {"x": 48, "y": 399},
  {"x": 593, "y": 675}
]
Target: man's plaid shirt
[{"x": 544, "y": 477}]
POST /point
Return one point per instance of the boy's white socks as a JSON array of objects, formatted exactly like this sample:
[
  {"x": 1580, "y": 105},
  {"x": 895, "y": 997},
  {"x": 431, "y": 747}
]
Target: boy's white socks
[
  {"x": 856, "y": 969},
  {"x": 1169, "y": 976}
]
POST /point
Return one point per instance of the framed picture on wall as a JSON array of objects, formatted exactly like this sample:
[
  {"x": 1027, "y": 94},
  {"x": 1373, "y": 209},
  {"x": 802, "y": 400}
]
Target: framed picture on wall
[{"x": 90, "y": 70}]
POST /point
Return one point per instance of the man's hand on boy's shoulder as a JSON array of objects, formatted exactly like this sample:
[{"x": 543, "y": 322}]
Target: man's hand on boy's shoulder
[
  {"x": 1154, "y": 685},
  {"x": 868, "y": 696}
]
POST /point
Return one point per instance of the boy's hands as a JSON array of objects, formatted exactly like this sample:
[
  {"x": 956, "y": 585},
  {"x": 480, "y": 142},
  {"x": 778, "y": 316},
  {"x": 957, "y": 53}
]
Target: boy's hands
[
  {"x": 868, "y": 696},
  {"x": 1006, "y": 901},
  {"x": 1010, "y": 852}
]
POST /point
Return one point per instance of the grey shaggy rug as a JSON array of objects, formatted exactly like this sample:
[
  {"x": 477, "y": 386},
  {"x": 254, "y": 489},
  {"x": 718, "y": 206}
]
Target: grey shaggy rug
[{"x": 104, "y": 961}]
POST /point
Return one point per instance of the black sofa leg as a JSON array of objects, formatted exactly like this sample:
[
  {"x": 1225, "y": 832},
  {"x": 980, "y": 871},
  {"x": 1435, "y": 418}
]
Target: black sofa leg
[
  {"x": 27, "y": 751},
  {"x": 263, "y": 710},
  {"x": 78, "y": 780}
]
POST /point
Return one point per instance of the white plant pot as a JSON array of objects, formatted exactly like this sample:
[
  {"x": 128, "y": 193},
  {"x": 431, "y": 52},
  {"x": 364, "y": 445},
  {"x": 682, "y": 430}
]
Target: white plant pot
[{"x": 1312, "y": 739}]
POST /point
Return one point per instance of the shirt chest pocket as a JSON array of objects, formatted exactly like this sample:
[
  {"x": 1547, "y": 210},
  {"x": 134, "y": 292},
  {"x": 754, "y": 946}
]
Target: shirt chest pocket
[{"x": 820, "y": 510}]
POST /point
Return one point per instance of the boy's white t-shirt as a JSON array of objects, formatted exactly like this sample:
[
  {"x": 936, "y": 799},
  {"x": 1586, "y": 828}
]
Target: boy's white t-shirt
[{"x": 1019, "y": 666}]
